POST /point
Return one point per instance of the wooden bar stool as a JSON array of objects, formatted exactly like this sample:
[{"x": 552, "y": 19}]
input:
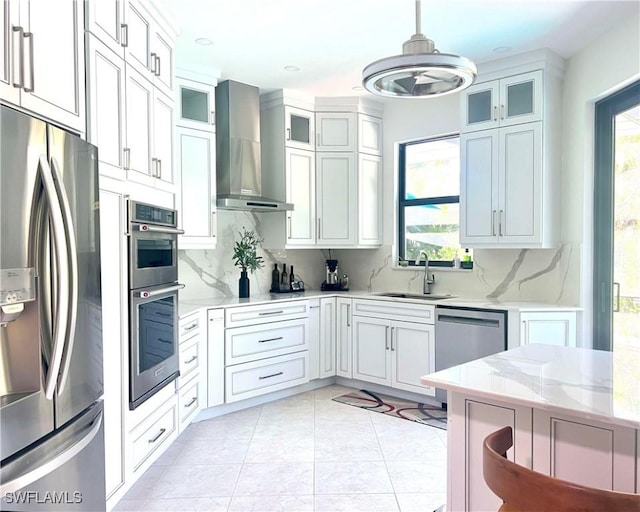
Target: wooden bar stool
[{"x": 524, "y": 490}]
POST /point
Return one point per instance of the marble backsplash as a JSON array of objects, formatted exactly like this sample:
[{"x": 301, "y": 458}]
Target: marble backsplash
[
  {"x": 211, "y": 273},
  {"x": 538, "y": 275}
]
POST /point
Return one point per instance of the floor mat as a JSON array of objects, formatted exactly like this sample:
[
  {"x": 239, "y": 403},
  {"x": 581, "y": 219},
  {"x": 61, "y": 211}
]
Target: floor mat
[{"x": 433, "y": 416}]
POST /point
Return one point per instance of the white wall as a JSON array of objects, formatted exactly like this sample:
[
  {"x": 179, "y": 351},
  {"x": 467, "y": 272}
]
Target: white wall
[{"x": 594, "y": 73}]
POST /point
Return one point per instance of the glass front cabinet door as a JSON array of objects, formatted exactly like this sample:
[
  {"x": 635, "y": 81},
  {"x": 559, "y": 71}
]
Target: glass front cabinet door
[
  {"x": 196, "y": 105},
  {"x": 513, "y": 100},
  {"x": 299, "y": 128}
]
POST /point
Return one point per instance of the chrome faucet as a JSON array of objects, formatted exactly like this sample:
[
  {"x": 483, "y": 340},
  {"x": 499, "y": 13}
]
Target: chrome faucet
[{"x": 428, "y": 281}]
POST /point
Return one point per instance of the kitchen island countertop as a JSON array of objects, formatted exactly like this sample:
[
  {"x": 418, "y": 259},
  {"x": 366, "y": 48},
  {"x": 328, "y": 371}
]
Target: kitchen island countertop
[{"x": 587, "y": 383}]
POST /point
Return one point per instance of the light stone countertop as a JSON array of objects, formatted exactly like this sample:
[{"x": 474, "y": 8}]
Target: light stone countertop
[
  {"x": 188, "y": 306},
  {"x": 591, "y": 384}
]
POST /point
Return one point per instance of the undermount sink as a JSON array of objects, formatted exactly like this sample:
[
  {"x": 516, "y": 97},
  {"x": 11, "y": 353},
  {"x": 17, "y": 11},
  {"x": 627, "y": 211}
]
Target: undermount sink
[{"x": 402, "y": 295}]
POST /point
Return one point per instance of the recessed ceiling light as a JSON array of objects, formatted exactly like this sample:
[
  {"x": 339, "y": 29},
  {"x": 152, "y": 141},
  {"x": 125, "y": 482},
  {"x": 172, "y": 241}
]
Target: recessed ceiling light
[
  {"x": 204, "y": 41},
  {"x": 502, "y": 49},
  {"x": 292, "y": 69}
]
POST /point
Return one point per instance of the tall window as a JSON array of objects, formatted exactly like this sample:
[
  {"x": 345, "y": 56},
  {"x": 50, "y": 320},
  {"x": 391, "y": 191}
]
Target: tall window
[{"x": 429, "y": 200}]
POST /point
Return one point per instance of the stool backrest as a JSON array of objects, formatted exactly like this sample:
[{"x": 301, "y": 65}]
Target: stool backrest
[{"x": 524, "y": 490}]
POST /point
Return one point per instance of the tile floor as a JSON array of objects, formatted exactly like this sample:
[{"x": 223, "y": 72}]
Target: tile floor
[{"x": 303, "y": 453}]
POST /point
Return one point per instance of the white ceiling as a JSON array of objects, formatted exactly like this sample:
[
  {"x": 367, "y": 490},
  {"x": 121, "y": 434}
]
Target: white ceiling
[{"x": 332, "y": 40}]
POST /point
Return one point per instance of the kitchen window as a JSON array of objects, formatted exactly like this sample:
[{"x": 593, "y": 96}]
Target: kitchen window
[{"x": 429, "y": 200}]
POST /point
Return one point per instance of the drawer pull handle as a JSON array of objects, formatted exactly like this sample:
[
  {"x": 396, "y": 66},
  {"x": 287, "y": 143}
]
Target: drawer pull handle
[
  {"x": 270, "y": 339},
  {"x": 191, "y": 402},
  {"x": 162, "y": 431},
  {"x": 264, "y": 313},
  {"x": 191, "y": 360},
  {"x": 269, "y": 376},
  {"x": 191, "y": 327}
]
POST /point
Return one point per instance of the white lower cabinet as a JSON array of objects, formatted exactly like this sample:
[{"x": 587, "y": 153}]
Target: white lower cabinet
[
  {"x": 548, "y": 327},
  {"x": 192, "y": 360},
  {"x": 322, "y": 338},
  {"x": 327, "y": 338},
  {"x": 585, "y": 452},
  {"x": 190, "y": 401},
  {"x": 265, "y": 376},
  {"x": 215, "y": 357},
  {"x": 388, "y": 349},
  {"x": 343, "y": 337},
  {"x": 473, "y": 420},
  {"x": 393, "y": 353},
  {"x": 153, "y": 432},
  {"x": 266, "y": 348},
  {"x": 246, "y": 344}
]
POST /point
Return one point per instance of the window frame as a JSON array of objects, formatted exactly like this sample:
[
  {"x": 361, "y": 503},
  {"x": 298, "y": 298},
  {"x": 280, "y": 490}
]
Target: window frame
[{"x": 403, "y": 203}]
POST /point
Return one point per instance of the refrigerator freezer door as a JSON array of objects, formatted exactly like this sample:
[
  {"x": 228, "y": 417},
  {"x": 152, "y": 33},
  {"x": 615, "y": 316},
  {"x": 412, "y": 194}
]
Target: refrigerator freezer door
[
  {"x": 63, "y": 473},
  {"x": 25, "y": 414},
  {"x": 74, "y": 166}
]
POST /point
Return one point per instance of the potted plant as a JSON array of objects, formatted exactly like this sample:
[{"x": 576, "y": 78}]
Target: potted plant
[{"x": 245, "y": 256}]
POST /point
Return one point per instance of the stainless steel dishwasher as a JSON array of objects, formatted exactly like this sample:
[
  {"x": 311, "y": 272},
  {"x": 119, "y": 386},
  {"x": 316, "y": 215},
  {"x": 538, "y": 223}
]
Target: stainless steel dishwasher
[{"x": 463, "y": 335}]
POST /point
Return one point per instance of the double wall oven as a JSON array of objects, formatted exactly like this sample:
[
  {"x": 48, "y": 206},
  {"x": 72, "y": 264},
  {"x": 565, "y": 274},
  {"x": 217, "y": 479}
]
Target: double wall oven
[{"x": 153, "y": 299}]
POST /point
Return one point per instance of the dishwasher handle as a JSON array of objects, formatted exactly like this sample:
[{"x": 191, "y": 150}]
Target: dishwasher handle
[{"x": 454, "y": 319}]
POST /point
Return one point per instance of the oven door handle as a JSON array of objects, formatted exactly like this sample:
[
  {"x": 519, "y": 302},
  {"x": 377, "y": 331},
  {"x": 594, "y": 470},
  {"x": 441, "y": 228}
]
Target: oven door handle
[
  {"x": 144, "y": 294},
  {"x": 157, "y": 229}
]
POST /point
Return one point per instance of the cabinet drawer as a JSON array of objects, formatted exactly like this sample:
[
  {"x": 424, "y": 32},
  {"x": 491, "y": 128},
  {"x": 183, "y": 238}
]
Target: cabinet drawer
[
  {"x": 189, "y": 401},
  {"x": 189, "y": 358},
  {"x": 245, "y": 344},
  {"x": 189, "y": 327},
  {"x": 407, "y": 311},
  {"x": 152, "y": 433},
  {"x": 260, "y": 377},
  {"x": 250, "y": 315}
]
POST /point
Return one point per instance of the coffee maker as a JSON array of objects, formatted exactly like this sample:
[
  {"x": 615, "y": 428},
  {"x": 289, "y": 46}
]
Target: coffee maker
[{"x": 333, "y": 282}]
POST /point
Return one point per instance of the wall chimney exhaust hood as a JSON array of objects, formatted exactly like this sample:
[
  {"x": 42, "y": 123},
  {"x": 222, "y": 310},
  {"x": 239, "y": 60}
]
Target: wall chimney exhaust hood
[{"x": 238, "y": 168}]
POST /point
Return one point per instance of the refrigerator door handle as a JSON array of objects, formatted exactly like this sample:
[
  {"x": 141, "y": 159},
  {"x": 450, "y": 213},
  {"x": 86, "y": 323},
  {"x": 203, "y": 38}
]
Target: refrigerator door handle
[
  {"x": 72, "y": 258},
  {"x": 43, "y": 467},
  {"x": 61, "y": 319}
]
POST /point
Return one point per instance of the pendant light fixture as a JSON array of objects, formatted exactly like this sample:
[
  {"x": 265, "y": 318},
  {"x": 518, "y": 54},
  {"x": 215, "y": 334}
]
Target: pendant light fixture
[{"x": 420, "y": 72}]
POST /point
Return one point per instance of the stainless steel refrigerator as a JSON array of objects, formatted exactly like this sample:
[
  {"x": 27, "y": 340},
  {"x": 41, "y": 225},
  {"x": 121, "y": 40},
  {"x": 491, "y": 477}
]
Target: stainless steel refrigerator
[{"x": 51, "y": 412}]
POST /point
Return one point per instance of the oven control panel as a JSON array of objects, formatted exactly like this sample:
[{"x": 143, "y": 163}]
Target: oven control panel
[{"x": 142, "y": 212}]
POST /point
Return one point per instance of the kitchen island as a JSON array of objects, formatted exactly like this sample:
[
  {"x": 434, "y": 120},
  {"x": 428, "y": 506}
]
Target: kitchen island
[{"x": 575, "y": 415}]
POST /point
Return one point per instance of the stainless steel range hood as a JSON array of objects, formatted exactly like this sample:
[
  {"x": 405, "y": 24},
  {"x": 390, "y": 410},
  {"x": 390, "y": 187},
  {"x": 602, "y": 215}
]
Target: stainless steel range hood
[{"x": 239, "y": 177}]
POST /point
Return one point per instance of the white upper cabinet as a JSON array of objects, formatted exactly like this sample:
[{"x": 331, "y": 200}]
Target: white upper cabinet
[
  {"x": 42, "y": 52},
  {"x": 299, "y": 128},
  {"x": 335, "y": 131},
  {"x": 195, "y": 104},
  {"x": 130, "y": 92},
  {"x": 369, "y": 135},
  {"x": 196, "y": 160},
  {"x": 138, "y": 149},
  {"x": 369, "y": 200},
  {"x": 105, "y": 20},
  {"x": 336, "y": 190},
  {"x": 137, "y": 37},
  {"x": 513, "y": 100},
  {"x": 510, "y": 159},
  {"x": 162, "y": 65},
  {"x": 501, "y": 188},
  {"x": 106, "y": 126},
  {"x": 300, "y": 179},
  {"x": 10, "y": 74}
]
